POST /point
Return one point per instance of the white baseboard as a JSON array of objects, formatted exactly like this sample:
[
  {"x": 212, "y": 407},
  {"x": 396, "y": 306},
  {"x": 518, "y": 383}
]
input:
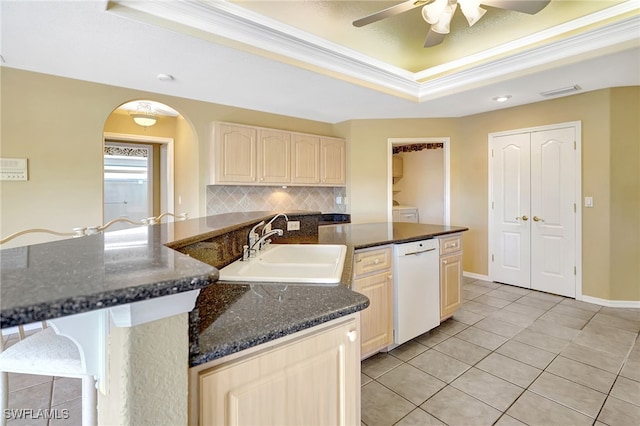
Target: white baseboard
[
  {"x": 475, "y": 276},
  {"x": 611, "y": 303}
]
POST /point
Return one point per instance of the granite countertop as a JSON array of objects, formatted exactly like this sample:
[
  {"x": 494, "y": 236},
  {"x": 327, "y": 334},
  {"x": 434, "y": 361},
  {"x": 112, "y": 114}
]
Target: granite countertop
[
  {"x": 367, "y": 235},
  {"x": 56, "y": 279},
  {"x": 237, "y": 316},
  {"x": 51, "y": 280}
]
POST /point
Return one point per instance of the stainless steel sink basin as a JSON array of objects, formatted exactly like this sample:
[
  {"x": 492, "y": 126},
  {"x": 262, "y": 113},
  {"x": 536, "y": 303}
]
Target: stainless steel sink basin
[{"x": 290, "y": 263}]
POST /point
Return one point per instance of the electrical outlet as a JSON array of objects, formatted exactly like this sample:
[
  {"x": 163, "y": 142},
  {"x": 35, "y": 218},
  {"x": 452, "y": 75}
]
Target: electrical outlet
[
  {"x": 293, "y": 225},
  {"x": 338, "y": 200}
]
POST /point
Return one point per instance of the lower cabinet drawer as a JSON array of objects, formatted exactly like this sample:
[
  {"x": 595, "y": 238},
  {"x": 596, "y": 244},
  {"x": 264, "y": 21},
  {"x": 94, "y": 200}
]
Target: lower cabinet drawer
[
  {"x": 366, "y": 262},
  {"x": 450, "y": 244}
]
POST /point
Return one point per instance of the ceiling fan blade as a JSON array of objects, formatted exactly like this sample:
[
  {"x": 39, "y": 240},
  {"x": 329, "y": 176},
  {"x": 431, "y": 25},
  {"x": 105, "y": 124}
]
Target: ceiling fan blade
[
  {"x": 524, "y": 6},
  {"x": 390, "y": 11},
  {"x": 433, "y": 38}
]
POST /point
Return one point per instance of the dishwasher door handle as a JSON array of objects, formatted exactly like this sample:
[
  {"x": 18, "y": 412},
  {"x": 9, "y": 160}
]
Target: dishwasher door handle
[{"x": 419, "y": 252}]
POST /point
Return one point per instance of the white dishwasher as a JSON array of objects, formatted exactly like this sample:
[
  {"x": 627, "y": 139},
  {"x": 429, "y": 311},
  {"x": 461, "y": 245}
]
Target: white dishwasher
[{"x": 416, "y": 288}]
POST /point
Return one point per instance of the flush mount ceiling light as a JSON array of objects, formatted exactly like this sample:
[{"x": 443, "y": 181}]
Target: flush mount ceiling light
[
  {"x": 144, "y": 115},
  {"x": 561, "y": 91},
  {"x": 502, "y": 98}
]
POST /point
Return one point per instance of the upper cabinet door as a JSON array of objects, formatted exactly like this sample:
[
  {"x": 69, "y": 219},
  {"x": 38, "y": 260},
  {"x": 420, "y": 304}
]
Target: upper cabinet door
[
  {"x": 305, "y": 159},
  {"x": 332, "y": 161},
  {"x": 235, "y": 154},
  {"x": 274, "y": 153}
]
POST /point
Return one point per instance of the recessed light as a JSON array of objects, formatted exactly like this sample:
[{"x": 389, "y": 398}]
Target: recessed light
[
  {"x": 165, "y": 77},
  {"x": 502, "y": 98}
]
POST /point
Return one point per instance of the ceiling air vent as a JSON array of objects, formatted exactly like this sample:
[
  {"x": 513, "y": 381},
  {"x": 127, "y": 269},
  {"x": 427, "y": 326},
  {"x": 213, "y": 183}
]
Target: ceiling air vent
[{"x": 561, "y": 91}]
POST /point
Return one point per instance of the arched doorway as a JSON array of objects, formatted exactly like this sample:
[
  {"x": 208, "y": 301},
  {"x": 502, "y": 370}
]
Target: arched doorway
[{"x": 138, "y": 161}]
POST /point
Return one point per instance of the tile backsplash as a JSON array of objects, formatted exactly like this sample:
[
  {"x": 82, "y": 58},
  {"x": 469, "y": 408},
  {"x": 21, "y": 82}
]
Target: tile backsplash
[{"x": 229, "y": 198}]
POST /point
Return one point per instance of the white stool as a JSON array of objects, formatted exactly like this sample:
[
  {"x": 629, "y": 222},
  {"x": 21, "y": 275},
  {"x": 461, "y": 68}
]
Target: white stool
[{"x": 49, "y": 354}]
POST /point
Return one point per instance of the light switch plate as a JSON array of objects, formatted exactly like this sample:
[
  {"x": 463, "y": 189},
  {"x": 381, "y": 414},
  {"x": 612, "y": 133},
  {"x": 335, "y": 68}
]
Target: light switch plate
[
  {"x": 588, "y": 201},
  {"x": 13, "y": 169}
]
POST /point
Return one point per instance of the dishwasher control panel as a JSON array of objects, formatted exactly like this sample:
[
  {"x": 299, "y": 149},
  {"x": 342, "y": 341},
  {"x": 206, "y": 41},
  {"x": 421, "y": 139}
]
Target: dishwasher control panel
[{"x": 416, "y": 247}]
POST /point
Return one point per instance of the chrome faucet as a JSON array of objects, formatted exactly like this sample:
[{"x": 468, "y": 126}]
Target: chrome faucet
[
  {"x": 255, "y": 242},
  {"x": 265, "y": 240},
  {"x": 253, "y": 235},
  {"x": 250, "y": 251},
  {"x": 267, "y": 227}
]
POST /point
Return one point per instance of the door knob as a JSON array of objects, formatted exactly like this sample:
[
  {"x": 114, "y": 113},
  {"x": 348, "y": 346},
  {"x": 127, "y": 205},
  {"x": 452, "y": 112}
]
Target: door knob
[
  {"x": 537, "y": 219},
  {"x": 524, "y": 217}
]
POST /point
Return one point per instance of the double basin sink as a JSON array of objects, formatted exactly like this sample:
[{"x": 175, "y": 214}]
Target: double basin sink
[{"x": 290, "y": 263}]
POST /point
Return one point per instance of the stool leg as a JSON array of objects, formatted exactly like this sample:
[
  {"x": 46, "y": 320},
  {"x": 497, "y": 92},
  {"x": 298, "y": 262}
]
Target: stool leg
[
  {"x": 4, "y": 396},
  {"x": 89, "y": 401}
]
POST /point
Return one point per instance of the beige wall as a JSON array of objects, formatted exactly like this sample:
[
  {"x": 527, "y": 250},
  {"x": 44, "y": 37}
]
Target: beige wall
[
  {"x": 610, "y": 164},
  {"x": 589, "y": 108},
  {"x": 57, "y": 124},
  {"x": 368, "y": 151},
  {"x": 625, "y": 195}
]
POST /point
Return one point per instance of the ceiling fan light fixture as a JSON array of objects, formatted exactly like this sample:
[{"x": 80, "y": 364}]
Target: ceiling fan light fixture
[
  {"x": 432, "y": 12},
  {"x": 471, "y": 10},
  {"x": 443, "y": 24}
]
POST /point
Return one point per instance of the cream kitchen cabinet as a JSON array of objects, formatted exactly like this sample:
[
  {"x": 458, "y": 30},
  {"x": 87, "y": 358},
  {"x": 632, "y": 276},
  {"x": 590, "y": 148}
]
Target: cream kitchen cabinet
[
  {"x": 311, "y": 379},
  {"x": 373, "y": 277},
  {"x": 333, "y": 160},
  {"x": 250, "y": 155},
  {"x": 305, "y": 159},
  {"x": 274, "y": 152},
  {"x": 235, "y": 154},
  {"x": 450, "y": 275}
]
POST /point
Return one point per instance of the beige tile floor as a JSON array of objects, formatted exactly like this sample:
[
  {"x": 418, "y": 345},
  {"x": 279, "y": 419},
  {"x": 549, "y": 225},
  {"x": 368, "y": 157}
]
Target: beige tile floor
[{"x": 511, "y": 356}]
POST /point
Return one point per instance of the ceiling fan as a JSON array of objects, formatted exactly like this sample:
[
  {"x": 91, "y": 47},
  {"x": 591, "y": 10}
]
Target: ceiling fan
[{"x": 438, "y": 13}]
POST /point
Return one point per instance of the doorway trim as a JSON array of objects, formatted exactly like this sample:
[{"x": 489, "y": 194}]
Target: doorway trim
[
  {"x": 391, "y": 142},
  {"x": 577, "y": 125},
  {"x": 166, "y": 164}
]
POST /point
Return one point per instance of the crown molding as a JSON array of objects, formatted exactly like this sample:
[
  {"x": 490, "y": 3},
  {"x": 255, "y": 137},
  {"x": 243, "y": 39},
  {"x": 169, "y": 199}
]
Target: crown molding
[
  {"x": 229, "y": 24},
  {"x": 568, "y": 49}
]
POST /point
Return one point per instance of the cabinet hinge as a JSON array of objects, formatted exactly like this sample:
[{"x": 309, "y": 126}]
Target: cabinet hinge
[
  {"x": 492, "y": 152},
  {"x": 574, "y": 270},
  {"x": 574, "y": 145},
  {"x": 574, "y": 207},
  {"x": 492, "y": 205},
  {"x": 492, "y": 258}
]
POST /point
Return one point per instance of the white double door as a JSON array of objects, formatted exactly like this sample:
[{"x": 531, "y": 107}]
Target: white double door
[{"x": 533, "y": 214}]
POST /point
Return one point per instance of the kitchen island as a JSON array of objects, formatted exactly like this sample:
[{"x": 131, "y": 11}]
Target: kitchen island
[
  {"x": 105, "y": 272},
  {"x": 236, "y": 316}
]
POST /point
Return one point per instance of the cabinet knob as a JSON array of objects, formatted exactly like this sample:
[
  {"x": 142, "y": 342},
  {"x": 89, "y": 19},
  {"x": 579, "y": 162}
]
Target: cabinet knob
[
  {"x": 376, "y": 261},
  {"x": 352, "y": 335},
  {"x": 444, "y": 261}
]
